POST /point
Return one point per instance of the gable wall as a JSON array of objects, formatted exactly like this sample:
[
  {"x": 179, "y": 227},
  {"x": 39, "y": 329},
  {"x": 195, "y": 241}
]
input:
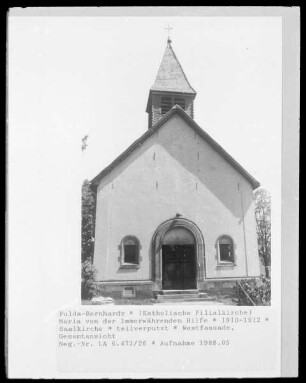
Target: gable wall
[{"x": 174, "y": 171}]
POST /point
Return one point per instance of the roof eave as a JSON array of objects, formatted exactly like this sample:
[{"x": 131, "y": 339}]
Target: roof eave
[
  {"x": 148, "y": 103},
  {"x": 191, "y": 93}
]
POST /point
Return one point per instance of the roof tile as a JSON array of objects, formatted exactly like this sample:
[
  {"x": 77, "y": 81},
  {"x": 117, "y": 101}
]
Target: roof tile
[{"x": 170, "y": 76}]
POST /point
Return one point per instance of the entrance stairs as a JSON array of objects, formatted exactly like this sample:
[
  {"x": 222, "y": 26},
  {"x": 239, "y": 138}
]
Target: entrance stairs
[{"x": 182, "y": 296}]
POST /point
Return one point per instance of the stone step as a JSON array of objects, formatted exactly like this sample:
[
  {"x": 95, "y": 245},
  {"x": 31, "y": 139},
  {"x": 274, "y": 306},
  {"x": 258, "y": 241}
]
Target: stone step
[
  {"x": 177, "y": 297},
  {"x": 179, "y": 292},
  {"x": 200, "y": 299},
  {"x": 203, "y": 295},
  {"x": 182, "y": 297},
  {"x": 197, "y": 299}
]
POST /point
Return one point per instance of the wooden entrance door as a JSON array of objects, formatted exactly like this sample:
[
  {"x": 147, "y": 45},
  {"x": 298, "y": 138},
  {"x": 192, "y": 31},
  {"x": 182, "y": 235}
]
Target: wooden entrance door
[{"x": 178, "y": 267}]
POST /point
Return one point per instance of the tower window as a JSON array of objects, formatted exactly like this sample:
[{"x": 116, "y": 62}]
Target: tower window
[
  {"x": 168, "y": 102},
  {"x": 180, "y": 101}
]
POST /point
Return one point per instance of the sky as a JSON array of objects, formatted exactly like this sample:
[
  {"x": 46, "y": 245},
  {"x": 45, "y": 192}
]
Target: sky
[{"x": 72, "y": 76}]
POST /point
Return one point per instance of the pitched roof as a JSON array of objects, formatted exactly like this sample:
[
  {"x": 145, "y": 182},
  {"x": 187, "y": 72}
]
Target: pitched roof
[
  {"x": 170, "y": 76},
  {"x": 177, "y": 110}
]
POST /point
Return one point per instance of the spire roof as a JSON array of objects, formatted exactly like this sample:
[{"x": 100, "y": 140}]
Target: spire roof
[{"x": 170, "y": 76}]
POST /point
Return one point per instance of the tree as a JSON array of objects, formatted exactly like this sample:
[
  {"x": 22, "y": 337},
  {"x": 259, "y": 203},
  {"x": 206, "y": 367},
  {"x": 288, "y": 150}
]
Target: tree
[
  {"x": 263, "y": 226},
  {"x": 88, "y": 214},
  {"x": 89, "y": 288}
]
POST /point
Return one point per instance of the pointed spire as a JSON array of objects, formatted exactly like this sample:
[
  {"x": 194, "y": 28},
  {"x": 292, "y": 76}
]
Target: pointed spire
[{"x": 170, "y": 76}]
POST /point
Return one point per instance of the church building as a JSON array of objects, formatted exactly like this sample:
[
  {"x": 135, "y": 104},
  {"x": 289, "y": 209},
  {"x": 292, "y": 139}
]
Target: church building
[{"x": 174, "y": 212}]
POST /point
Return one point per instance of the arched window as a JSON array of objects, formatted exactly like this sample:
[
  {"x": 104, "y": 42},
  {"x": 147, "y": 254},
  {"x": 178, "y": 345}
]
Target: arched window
[
  {"x": 129, "y": 252},
  {"x": 225, "y": 249}
]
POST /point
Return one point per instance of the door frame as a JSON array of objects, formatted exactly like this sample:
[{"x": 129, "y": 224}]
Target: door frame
[{"x": 157, "y": 242}]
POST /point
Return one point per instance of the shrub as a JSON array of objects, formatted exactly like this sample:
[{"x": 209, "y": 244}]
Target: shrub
[
  {"x": 258, "y": 290},
  {"x": 89, "y": 287},
  {"x": 88, "y": 220}
]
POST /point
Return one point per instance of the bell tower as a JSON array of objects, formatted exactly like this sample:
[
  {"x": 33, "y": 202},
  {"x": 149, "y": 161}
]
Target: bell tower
[{"x": 170, "y": 88}]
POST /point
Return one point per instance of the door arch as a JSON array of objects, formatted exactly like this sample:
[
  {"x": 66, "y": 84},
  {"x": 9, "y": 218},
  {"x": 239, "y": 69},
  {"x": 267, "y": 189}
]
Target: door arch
[{"x": 166, "y": 233}]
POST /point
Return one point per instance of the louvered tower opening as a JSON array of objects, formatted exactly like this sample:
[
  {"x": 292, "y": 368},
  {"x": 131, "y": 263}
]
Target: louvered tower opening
[{"x": 168, "y": 102}]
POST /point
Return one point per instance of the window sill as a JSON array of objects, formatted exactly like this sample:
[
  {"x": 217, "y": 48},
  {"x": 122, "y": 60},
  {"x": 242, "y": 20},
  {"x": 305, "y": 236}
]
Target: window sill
[
  {"x": 129, "y": 266},
  {"x": 226, "y": 264}
]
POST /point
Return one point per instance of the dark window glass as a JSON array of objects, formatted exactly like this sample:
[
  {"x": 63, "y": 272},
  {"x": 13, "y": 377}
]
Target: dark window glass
[
  {"x": 226, "y": 250},
  {"x": 130, "y": 252}
]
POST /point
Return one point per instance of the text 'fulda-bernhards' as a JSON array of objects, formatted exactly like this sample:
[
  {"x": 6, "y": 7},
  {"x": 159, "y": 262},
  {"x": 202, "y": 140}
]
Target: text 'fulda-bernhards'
[{"x": 154, "y": 313}]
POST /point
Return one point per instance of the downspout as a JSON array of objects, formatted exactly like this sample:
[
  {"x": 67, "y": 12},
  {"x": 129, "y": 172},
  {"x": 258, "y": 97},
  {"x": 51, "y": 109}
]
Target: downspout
[
  {"x": 110, "y": 187},
  {"x": 200, "y": 273},
  {"x": 244, "y": 236}
]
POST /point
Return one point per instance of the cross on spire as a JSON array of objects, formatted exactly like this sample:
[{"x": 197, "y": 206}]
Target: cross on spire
[{"x": 169, "y": 29}]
